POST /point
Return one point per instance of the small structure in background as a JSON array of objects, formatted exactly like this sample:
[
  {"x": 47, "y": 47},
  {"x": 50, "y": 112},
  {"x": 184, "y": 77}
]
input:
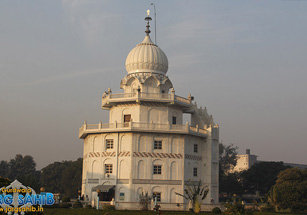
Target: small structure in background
[{"x": 245, "y": 161}]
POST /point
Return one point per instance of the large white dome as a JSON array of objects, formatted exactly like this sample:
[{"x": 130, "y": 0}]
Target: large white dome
[{"x": 147, "y": 57}]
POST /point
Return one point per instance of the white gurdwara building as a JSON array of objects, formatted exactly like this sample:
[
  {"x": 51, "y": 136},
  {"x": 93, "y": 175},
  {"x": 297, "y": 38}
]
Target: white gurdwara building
[{"x": 146, "y": 147}]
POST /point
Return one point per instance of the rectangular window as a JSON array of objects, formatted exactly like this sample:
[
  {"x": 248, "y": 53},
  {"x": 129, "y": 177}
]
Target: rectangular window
[
  {"x": 195, "y": 171},
  {"x": 195, "y": 148},
  {"x": 158, "y": 144},
  {"x": 108, "y": 168},
  {"x": 157, "y": 169},
  {"x": 158, "y": 196},
  {"x": 109, "y": 144},
  {"x": 127, "y": 119},
  {"x": 174, "y": 120}
]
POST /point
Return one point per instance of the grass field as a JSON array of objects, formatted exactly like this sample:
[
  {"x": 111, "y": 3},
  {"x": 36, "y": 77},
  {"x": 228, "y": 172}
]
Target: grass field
[{"x": 62, "y": 211}]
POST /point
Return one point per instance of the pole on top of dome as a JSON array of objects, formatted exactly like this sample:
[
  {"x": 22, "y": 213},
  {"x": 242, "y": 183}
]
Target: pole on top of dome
[
  {"x": 155, "y": 23},
  {"x": 147, "y": 18}
]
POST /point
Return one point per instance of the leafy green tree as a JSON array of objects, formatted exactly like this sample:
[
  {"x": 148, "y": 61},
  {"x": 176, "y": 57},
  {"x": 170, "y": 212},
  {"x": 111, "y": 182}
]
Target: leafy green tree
[
  {"x": 231, "y": 184},
  {"x": 63, "y": 177},
  {"x": 227, "y": 157},
  {"x": 51, "y": 176},
  {"x": 228, "y": 182},
  {"x": 21, "y": 166},
  {"x": 261, "y": 176},
  {"x": 4, "y": 182},
  {"x": 4, "y": 168},
  {"x": 290, "y": 190},
  {"x": 72, "y": 178}
]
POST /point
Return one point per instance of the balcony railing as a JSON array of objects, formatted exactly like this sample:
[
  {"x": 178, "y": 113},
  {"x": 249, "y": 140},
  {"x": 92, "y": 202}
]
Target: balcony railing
[
  {"x": 145, "y": 96},
  {"x": 139, "y": 126}
]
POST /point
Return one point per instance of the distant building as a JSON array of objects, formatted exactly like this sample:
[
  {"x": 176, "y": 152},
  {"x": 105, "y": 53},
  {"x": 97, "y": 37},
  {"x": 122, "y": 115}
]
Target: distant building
[
  {"x": 245, "y": 162},
  {"x": 145, "y": 146}
]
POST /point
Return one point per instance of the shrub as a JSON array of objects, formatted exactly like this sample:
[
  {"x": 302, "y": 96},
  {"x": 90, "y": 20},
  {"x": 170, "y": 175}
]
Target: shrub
[
  {"x": 266, "y": 208},
  {"x": 235, "y": 207},
  {"x": 88, "y": 207},
  {"x": 216, "y": 210},
  {"x": 65, "y": 199},
  {"x": 249, "y": 211},
  {"x": 144, "y": 201},
  {"x": 77, "y": 204},
  {"x": 65, "y": 205},
  {"x": 108, "y": 207}
]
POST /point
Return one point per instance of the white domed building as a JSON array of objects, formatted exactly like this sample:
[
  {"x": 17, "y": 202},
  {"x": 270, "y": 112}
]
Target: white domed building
[{"x": 146, "y": 146}]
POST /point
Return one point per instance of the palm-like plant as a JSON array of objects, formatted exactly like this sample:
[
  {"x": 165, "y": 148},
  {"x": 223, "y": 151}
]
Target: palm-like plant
[{"x": 195, "y": 193}]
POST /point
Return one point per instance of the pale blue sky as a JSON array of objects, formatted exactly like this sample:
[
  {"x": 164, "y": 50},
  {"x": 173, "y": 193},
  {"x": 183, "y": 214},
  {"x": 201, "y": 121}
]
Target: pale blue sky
[{"x": 246, "y": 61}]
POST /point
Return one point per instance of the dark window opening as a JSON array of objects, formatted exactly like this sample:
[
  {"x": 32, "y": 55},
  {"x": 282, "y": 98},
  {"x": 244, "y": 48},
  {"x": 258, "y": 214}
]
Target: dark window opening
[
  {"x": 195, "y": 171},
  {"x": 158, "y": 196},
  {"x": 127, "y": 119},
  {"x": 109, "y": 144},
  {"x": 195, "y": 148},
  {"x": 158, "y": 144},
  {"x": 108, "y": 168},
  {"x": 174, "y": 120},
  {"x": 157, "y": 169}
]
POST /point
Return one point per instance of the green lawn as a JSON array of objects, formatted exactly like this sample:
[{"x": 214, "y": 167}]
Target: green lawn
[{"x": 62, "y": 211}]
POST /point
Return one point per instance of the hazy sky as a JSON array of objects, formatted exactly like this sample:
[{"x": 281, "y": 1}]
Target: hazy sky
[{"x": 246, "y": 61}]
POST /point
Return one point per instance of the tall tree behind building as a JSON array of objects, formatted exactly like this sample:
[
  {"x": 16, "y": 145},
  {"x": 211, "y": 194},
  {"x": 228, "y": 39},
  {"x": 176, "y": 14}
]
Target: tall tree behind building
[
  {"x": 22, "y": 168},
  {"x": 4, "y": 168},
  {"x": 228, "y": 182},
  {"x": 63, "y": 177},
  {"x": 261, "y": 176}
]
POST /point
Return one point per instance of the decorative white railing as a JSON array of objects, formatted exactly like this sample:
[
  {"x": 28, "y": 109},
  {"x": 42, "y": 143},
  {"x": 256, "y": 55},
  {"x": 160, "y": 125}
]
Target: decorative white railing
[
  {"x": 122, "y": 95},
  {"x": 155, "y": 95},
  {"x": 184, "y": 100},
  {"x": 140, "y": 95},
  {"x": 92, "y": 128}
]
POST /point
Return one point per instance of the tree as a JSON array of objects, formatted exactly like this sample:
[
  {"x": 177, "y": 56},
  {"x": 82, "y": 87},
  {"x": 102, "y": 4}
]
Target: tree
[
  {"x": 144, "y": 201},
  {"x": 227, "y": 157},
  {"x": 231, "y": 184},
  {"x": 63, "y": 177},
  {"x": 290, "y": 190},
  {"x": 261, "y": 176},
  {"x": 72, "y": 178},
  {"x": 195, "y": 194},
  {"x": 21, "y": 166},
  {"x": 228, "y": 182},
  {"x": 4, "y": 182},
  {"x": 4, "y": 168}
]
